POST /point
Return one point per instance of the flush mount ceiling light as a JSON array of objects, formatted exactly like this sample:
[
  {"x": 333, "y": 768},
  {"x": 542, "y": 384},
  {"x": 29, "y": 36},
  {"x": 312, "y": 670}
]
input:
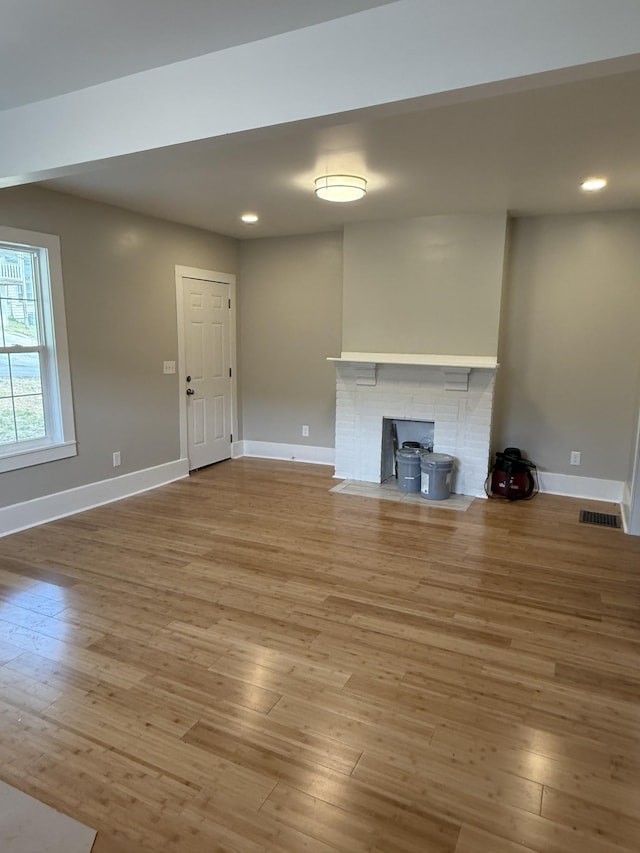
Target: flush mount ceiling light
[
  {"x": 341, "y": 188},
  {"x": 592, "y": 185},
  {"x": 249, "y": 218}
]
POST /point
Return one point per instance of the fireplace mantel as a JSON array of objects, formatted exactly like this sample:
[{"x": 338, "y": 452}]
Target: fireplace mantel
[
  {"x": 430, "y": 360},
  {"x": 456, "y": 368}
]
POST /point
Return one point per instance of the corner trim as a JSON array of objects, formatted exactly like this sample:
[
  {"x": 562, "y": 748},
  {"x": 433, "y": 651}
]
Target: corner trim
[
  {"x": 625, "y": 508},
  {"x": 590, "y": 488},
  {"x": 289, "y": 452},
  {"x": 26, "y": 514}
]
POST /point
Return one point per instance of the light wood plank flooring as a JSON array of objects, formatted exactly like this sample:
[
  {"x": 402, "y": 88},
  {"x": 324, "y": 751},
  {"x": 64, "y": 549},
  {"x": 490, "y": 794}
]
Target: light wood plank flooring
[{"x": 244, "y": 662}]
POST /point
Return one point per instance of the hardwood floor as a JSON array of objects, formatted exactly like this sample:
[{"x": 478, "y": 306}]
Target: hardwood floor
[{"x": 244, "y": 662}]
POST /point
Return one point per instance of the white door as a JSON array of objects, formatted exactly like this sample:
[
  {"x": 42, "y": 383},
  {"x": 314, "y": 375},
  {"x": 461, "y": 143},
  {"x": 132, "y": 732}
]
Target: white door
[{"x": 208, "y": 389}]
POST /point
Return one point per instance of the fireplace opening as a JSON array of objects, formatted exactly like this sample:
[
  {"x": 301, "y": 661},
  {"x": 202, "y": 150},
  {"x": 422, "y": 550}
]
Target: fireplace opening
[{"x": 404, "y": 430}]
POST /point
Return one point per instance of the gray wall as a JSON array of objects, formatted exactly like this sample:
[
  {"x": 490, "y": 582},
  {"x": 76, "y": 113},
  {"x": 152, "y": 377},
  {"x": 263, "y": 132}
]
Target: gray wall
[
  {"x": 119, "y": 282},
  {"x": 569, "y": 325},
  {"x": 570, "y": 346},
  {"x": 426, "y": 285},
  {"x": 290, "y": 322}
]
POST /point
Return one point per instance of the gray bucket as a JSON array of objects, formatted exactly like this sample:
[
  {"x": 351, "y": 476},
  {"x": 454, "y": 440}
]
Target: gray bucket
[
  {"x": 409, "y": 472},
  {"x": 437, "y": 470}
]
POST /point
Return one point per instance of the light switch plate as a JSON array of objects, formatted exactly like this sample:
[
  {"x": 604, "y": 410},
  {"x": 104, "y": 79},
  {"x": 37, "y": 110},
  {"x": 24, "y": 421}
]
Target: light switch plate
[{"x": 169, "y": 367}]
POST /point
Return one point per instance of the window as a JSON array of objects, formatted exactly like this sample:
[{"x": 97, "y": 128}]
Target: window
[{"x": 36, "y": 410}]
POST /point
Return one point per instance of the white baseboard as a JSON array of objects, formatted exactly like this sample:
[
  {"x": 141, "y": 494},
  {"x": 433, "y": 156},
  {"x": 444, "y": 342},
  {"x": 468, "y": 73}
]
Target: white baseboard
[
  {"x": 27, "y": 514},
  {"x": 289, "y": 452},
  {"x": 60, "y": 504},
  {"x": 590, "y": 488}
]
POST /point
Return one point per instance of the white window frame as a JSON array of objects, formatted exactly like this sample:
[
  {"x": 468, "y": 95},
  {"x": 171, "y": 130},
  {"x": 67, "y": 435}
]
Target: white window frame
[{"x": 60, "y": 440}]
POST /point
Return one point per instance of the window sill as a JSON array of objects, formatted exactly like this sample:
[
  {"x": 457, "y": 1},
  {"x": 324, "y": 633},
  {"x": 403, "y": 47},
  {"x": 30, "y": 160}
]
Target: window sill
[{"x": 27, "y": 458}]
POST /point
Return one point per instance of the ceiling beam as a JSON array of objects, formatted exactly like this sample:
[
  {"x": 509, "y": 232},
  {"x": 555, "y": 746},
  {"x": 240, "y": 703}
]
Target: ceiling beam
[{"x": 406, "y": 50}]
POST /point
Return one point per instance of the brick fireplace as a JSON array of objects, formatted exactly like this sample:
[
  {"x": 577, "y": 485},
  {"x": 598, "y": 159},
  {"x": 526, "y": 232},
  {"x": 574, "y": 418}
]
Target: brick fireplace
[{"x": 455, "y": 393}]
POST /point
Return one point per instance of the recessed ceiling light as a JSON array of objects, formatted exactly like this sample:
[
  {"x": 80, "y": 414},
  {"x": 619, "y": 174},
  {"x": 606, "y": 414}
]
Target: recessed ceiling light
[
  {"x": 592, "y": 185},
  {"x": 249, "y": 217},
  {"x": 341, "y": 188}
]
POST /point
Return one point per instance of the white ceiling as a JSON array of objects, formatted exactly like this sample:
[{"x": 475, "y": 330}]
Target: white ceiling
[
  {"x": 523, "y": 152},
  {"x": 474, "y": 151}
]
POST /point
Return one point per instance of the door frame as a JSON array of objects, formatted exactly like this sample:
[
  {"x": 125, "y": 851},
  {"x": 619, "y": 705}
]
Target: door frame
[{"x": 223, "y": 278}]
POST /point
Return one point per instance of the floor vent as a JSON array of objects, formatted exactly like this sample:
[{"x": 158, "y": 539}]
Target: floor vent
[{"x": 602, "y": 519}]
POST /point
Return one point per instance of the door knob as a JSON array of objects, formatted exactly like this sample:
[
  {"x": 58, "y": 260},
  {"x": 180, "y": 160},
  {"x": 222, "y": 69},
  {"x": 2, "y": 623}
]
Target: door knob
[{"x": 190, "y": 391}]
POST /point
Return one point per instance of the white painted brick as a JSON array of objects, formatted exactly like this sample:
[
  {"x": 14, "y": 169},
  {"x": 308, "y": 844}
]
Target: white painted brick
[
  {"x": 462, "y": 421},
  {"x": 482, "y": 437},
  {"x": 475, "y": 448},
  {"x": 479, "y": 418},
  {"x": 446, "y": 412}
]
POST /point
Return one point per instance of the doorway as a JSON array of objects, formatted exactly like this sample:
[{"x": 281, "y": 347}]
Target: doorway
[{"x": 205, "y": 302}]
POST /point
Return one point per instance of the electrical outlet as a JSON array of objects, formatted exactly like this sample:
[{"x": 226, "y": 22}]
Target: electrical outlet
[
  {"x": 575, "y": 457},
  {"x": 116, "y": 459},
  {"x": 169, "y": 367},
  {"x": 305, "y": 431}
]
